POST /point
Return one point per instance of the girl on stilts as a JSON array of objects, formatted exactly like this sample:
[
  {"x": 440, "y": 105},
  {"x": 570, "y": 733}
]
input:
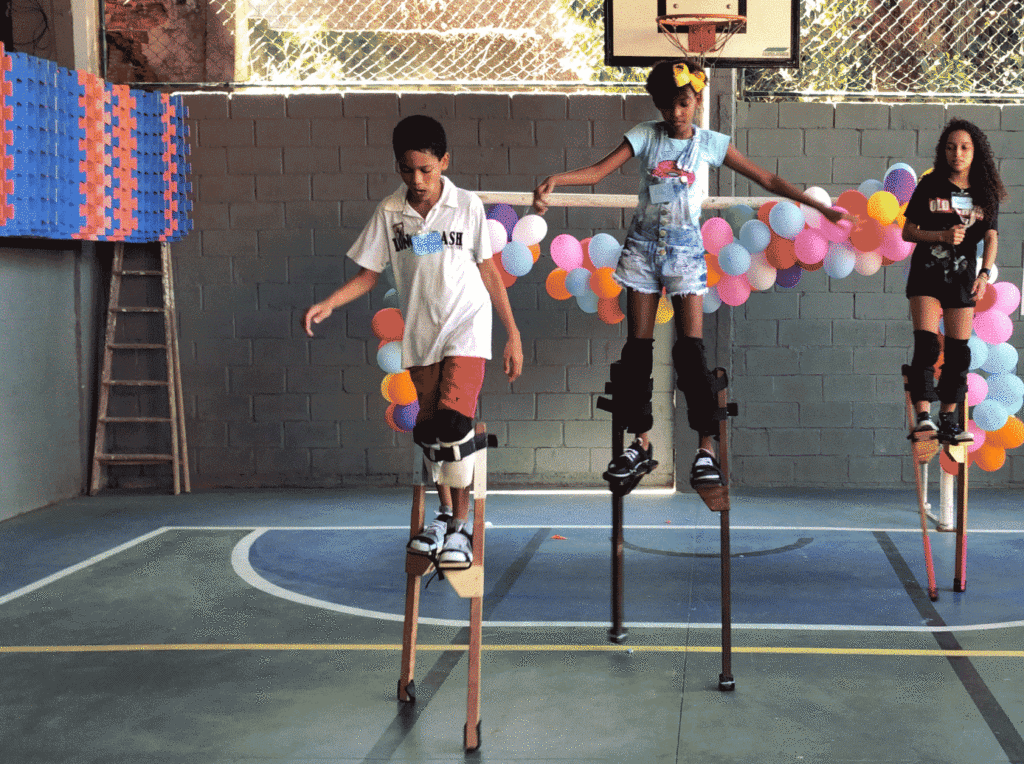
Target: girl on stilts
[
  {"x": 664, "y": 250},
  {"x": 953, "y": 208}
]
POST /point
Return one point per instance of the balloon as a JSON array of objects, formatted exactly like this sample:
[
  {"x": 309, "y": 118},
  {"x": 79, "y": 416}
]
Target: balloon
[
  {"x": 1010, "y": 435},
  {"x": 948, "y": 465},
  {"x": 839, "y": 261},
  {"x": 529, "y": 230},
  {"x": 987, "y": 301},
  {"x": 587, "y": 301},
  {"x": 385, "y": 387},
  {"x": 404, "y": 417},
  {"x": 665, "y": 311},
  {"x": 506, "y": 278},
  {"x": 868, "y": 187},
  {"x": 979, "y": 352},
  {"x": 761, "y": 274},
  {"x": 609, "y": 311},
  {"x": 604, "y": 251},
  {"x": 401, "y": 389},
  {"x": 786, "y": 220},
  {"x": 893, "y": 248},
  {"x": 1007, "y": 296},
  {"x": 764, "y": 212},
  {"x": 788, "y": 278},
  {"x": 505, "y": 215},
  {"x": 567, "y": 252},
  {"x": 900, "y": 182},
  {"x": 866, "y": 235},
  {"x": 781, "y": 253},
  {"x": 716, "y": 233},
  {"x": 993, "y": 327},
  {"x": 387, "y": 324},
  {"x": 755, "y": 236},
  {"x": 810, "y": 246},
  {"x": 498, "y": 235},
  {"x": 555, "y": 285},
  {"x": 989, "y": 457},
  {"x": 883, "y": 207},
  {"x": 734, "y": 259},
  {"x": 516, "y": 259},
  {"x": 391, "y": 299},
  {"x": 989, "y": 415},
  {"x": 389, "y": 357},
  {"x": 1005, "y": 389},
  {"x": 603, "y": 285},
  {"x": 737, "y": 215},
  {"x": 977, "y": 389},
  {"x": 733, "y": 290},
  {"x": 535, "y": 252},
  {"x": 577, "y": 282},
  {"x": 868, "y": 263},
  {"x": 1001, "y": 358},
  {"x": 812, "y": 217},
  {"x": 712, "y": 301},
  {"x": 389, "y": 417},
  {"x": 979, "y": 436},
  {"x": 853, "y": 202},
  {"x": 836, "y": 232}
]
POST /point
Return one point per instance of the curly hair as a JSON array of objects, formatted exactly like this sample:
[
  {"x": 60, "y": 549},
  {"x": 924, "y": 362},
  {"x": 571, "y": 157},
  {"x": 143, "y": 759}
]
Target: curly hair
[
  {"x": 661, "y": 81},
  {"x": 986, "y": 185},
  {"x": 419, "y": 133}
]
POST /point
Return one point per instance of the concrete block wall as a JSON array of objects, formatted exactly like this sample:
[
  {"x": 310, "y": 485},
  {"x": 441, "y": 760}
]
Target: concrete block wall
[{"x": 284, "y": 183}]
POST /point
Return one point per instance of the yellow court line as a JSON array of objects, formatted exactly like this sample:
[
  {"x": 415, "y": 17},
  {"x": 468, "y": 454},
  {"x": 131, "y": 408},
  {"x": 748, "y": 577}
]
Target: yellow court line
[{"x": 201, "y": 647}]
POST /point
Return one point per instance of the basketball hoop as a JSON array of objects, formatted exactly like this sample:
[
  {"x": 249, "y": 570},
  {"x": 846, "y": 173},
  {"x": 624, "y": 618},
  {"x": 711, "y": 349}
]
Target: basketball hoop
[{"x": 705, "y": 33}]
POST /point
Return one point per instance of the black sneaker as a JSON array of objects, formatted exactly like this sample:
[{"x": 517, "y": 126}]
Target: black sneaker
[
  {"x": 950, "y": 430},
  {"x": 705, "y": 470},
  {"x": 633, "y": 462},
  {"x": 925, "y": 424}
]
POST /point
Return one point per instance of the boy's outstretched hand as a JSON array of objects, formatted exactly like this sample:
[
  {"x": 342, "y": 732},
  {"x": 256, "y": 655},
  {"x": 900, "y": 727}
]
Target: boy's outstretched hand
[{"x": 315, "y": 315}]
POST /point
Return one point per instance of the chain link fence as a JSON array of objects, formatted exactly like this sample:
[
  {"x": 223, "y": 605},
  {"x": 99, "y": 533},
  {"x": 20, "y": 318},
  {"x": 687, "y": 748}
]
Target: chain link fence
[{"x": 892, "y": 49}]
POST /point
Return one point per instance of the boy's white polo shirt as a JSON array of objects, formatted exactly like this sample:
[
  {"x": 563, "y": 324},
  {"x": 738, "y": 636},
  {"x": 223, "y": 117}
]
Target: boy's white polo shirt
[{"x": 446, "y": 308}]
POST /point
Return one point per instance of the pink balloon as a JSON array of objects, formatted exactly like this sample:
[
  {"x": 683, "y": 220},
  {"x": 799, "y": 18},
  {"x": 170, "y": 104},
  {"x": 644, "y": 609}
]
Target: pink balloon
[
  {"x": 977, "y": 389},
  {"x": 1007, "y": 297},
  {"x": 717, "y": 233},
  {"x": 567, "y": 252},
  {"x": 893, "y": 247},
  {"x": 836, "y": 232},
  {"x": 733, "y": 290},
  {"x": 993, "y": 327},
  {"x": 979, "y": 436},
  {"x": 810, "y": 246}
]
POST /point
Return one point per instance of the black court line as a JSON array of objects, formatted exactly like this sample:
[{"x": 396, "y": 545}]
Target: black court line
[
  {"x": 995, "y": 717},
  {"x": 393, "y": 737},
  {"x": 759, "y": 553}
]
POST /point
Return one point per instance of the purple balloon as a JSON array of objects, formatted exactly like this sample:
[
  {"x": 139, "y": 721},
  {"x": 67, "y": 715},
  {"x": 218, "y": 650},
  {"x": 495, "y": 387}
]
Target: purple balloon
[
  {"x": 405, "y": 416},
  {"x": 789, "y": 277},
  {"x": 505, "y": 215}
]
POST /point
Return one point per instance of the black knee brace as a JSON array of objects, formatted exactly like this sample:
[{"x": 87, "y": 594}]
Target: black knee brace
[
  {"x": 921, "y": 381},
  {"x": 953, "y": 382},
  {"x": 451, "y": 426},
  {"x": 637, "y": 366},
  {"x": 697, "y": 384}
]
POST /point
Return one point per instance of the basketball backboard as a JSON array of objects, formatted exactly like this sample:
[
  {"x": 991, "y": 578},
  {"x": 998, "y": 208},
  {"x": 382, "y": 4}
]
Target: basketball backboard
[{"x": 771, "y": 37}]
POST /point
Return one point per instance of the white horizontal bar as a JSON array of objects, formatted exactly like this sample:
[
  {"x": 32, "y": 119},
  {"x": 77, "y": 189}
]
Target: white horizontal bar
[{"x": 627, "y": 201}]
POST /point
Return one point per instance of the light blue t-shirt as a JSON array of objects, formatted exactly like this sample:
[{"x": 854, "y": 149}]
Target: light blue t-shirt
[{"x": 672, "y": 165}]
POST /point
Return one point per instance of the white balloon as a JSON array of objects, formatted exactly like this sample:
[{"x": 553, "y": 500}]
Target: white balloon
[
  {"x": 529, "y": 230},
  {"x": 498, "y": 235},
  {"x": 811, "y": 216}
]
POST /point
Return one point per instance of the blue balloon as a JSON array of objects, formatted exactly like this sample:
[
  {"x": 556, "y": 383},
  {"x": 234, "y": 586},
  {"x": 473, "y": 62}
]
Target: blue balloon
[
  {"x": 786, "y": 219},
  {"x": 577, "y": 282},
  {"x": 604, "y": 250},
  {"x": 1001, "y": 358},
  {"x": 734, "y": 259},
  {"x": 516, "y": 259},
  {"x": 737, "y": 215},
  {"x": 1005, "y": 388},
  {"x": 389, "y": 357},
  {"x": 989, "y": 415},
  {"x": 587, "y": 302},
  {"x": 755, "y": 236},
  {"x": 979, "y": 351},
  {"x": 870, "y": 187},
  {"x": 712, "y": 301},
  {"x": 391, "y": 299}
]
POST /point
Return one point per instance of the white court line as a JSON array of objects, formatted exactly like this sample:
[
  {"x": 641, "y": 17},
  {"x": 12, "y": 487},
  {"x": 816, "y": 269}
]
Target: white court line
[{"x": 243, "y": 568}]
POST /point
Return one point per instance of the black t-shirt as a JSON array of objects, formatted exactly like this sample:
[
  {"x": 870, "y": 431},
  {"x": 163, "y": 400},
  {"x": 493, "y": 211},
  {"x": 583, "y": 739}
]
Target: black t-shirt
[{"x": 934, "y": 206}]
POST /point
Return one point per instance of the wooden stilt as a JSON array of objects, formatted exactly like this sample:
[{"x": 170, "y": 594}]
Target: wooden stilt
[
  {"x": 962, "y": 468},
  {"x": 923, "y": 448},
  {"x": 468, "y": 584}
]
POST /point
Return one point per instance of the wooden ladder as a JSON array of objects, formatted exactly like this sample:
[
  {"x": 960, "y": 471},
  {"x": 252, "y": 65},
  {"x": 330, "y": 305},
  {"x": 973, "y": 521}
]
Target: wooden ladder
[{"x": 115, "y": 348}]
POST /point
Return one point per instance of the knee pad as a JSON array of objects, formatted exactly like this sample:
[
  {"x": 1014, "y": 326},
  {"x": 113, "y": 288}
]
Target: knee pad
[
  {"x": 636, "y": 368},
  {"x": 953, "y": 383},
  {"x": 921, "y": 379},
  {"x": 694, "y": 379},
  {"x": 638, "y": 357},
  {"x": 451, "y": 426},
  {"x": 448, "y": 429},
  {"x": 926, "y": 349}
]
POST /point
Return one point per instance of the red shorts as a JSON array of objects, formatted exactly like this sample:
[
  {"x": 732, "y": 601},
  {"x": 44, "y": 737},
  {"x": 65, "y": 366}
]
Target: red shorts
[{"x": 453, "y": 383}]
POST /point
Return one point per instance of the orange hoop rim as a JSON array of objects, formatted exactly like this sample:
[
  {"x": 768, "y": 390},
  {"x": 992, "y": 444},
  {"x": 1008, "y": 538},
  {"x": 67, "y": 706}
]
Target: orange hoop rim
[
  {"x": 683, "y": 19},
  {"x": 669, "y": 24}
]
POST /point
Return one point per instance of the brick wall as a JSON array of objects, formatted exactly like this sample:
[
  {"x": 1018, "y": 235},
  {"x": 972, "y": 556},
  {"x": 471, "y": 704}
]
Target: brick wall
[{"x": 284, "y": 183}]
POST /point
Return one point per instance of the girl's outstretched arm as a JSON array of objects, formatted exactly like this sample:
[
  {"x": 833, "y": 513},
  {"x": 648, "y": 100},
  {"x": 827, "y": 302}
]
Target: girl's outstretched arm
[
  {"x": 584, "y": 176},
  {"x": 775, "y": 184}
]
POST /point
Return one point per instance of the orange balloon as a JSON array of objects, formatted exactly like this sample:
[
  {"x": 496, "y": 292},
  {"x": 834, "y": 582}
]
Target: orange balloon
[
  {"x": 780, "y": 253},
  {"x": 813, "y": 266},
  {"x": 764, "y": 211},
  {"x": 609, "y": 311},
  {"x": 948, "y": 465},
  {"x": 535, "y": 251},
  {"x": 385, "y": 387},
  {"x": 506, "y": 278},
  {"x": 604, "y": 286},
  {"x": 555, "y": 284},
  {"x": 387, "y": 324},
  {"x": 866, "y": 235},
  {"x": 587, "y": 262},
  {"x": 713, "y": 266},
  {"x": 1010, "y": 435},
  {"x": 989, "y": 457},
  {"x": 401, "y": 388},
  {"x": 389, "y": 417}
]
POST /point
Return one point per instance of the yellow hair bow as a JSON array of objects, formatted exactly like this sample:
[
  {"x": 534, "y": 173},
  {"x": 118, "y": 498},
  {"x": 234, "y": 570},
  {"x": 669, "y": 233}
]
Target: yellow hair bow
[{"x": 685, "y": 77}]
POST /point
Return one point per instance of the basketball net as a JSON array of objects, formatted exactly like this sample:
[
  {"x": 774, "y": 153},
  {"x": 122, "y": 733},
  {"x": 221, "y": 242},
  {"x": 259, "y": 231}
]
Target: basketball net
[{"x": 699, "y": 35}]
